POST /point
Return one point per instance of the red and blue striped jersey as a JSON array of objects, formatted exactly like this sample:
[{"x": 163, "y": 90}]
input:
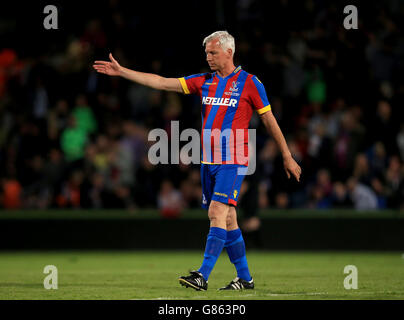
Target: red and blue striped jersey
[{"x": 227, "y": 107}]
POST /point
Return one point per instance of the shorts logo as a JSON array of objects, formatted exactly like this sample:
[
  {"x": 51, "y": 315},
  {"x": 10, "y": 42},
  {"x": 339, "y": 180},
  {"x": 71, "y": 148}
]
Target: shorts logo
[
  {"x": 203, "y": 199},
  {"x": 221, "y": 194},
  {"x": 235, "y": 194}
]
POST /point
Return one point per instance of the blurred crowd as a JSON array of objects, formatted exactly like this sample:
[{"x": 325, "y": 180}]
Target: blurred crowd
[{"x": 72, "y": 138}]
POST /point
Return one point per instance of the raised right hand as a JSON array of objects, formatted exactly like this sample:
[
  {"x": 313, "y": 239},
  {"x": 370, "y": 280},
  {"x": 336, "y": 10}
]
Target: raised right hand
[{"x": 111, "y": 68}]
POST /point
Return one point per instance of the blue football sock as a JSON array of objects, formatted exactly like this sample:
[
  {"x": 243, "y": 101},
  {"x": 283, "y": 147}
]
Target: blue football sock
[
  {"x": 214, "y": 246},
  {"x": 235, "y": 247}
]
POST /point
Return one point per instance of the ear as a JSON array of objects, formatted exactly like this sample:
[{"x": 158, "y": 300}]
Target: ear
[{"x": 230, "y": 52}]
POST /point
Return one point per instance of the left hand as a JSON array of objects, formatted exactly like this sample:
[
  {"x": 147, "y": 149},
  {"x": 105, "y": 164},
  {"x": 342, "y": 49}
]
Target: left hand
[
  {"x": 292, "y": 168},
  {"x": 111, "y": 68}
]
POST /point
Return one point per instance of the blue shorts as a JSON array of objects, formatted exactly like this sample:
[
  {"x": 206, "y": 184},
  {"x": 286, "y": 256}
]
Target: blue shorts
[{"x": 221, "y": 182}]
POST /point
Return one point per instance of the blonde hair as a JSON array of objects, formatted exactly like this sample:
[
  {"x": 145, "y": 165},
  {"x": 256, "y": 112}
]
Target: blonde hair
[{"x": 226, "y": 40}]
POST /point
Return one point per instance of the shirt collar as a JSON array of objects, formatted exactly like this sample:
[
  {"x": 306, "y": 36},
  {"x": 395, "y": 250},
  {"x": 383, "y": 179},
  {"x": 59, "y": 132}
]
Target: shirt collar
[{"x": 231, "y": 74}]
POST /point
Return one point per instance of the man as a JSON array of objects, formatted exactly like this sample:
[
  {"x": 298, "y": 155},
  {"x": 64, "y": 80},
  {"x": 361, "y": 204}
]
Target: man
[{"x": 228, "y": 95}]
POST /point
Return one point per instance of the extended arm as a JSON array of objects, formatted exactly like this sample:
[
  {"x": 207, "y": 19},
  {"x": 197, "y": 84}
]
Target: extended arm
[
  {"x": 290, "y": 165},
  {"x": 113, "y": 68}
]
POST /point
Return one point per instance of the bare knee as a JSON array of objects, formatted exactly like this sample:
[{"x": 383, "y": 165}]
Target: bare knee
[
  {"x": 218, "y": 212},
  {"x": 231, "y": 219}
]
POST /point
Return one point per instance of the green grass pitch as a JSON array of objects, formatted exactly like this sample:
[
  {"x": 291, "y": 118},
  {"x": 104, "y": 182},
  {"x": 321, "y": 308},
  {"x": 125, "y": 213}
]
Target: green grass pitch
[{"x": 127, "y": 275}]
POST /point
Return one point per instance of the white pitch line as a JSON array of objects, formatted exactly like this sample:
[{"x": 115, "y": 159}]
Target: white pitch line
[
  {"x": 355, "y": 292},
  {"x": 349, "y": 294},
  {"x": 170, "y": 298},
  {"x": 296, "y": 294},
  {"x": 241, "y": 296}
]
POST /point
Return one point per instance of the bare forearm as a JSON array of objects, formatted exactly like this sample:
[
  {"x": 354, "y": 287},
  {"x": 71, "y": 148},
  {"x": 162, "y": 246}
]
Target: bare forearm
[
  {"x": 113, "y": 68},
  {"x": 273, "y": 129},
  {"x": 290, "y": 165},
  {"x": 147, "y": 79}
]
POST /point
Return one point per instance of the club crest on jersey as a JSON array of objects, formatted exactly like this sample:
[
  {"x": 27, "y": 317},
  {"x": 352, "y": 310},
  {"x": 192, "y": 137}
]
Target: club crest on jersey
[
  {"x": 234, "y": 87},
  {"x": 219, "y": 101}
]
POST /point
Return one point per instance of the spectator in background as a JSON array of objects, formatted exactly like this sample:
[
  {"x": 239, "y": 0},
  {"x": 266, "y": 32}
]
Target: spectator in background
[
  {"x": 94, "y": 35},
  {"x": 70, "y": 192},
  {"x": 54, "y": 173},
  {"x": 40, "y": 101},
  {"x": 170, "y": 202},
  {"x": 119, "y": 175},
  {"x": 37, "y": 193},
  {"x": 383, "y": 127},
  {"x": 89, "y": 162},
  {"x": 140, "y": 100},
  {"x": 316, "y": 86},
  {"x": 267, "y": 157},
  {"x": 282, "y": 201},
  {"x": 10, "y": 193},
  {"x": 9, "y": 67},
  {"x": 191, "y": 189},
  {"x": 58, "y": 118},
  {"x": 362, "y": 196},
  {"x": 27, "y": 142},
  {"x": 320, "y": 192},
  {"x": 187, "y": 178},
  {"x": 349, "y": 141},
  {"x": 120, "y": 164},
  {"x": 100, "y": 156},
  {"x": 324, "y": 182},
  {"x": 148, "y": 179},
  {"x": 84, "y": 116},
  {"x": 320, "y": 147},
  {"x": 400, "y": 141},
  {"x": 377, "y": 159},
  {"x": 317, "y": 199},
  {"x": 263, "y": 201},
  {"x": 73, "y": 141},
  {"x": 98, "y": 195},
  {"x": 122, "y": 198},
  {"x": 340, "y": 198},
  {"x": 361, "y": 170},
  {"x": 134, "y": 138},
  {"x": 395, "y": 182},
  {"x": 380, "y": 192},
  {"x": 332, "y": 117}
]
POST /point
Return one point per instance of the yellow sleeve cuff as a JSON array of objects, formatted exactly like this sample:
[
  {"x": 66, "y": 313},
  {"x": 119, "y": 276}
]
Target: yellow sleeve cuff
[
  {"x": 264, "y": 109},
  {"x": 184, "y": 85}
]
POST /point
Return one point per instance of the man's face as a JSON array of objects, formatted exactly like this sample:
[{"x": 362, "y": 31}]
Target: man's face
[{"x": 216, "y": 56}]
